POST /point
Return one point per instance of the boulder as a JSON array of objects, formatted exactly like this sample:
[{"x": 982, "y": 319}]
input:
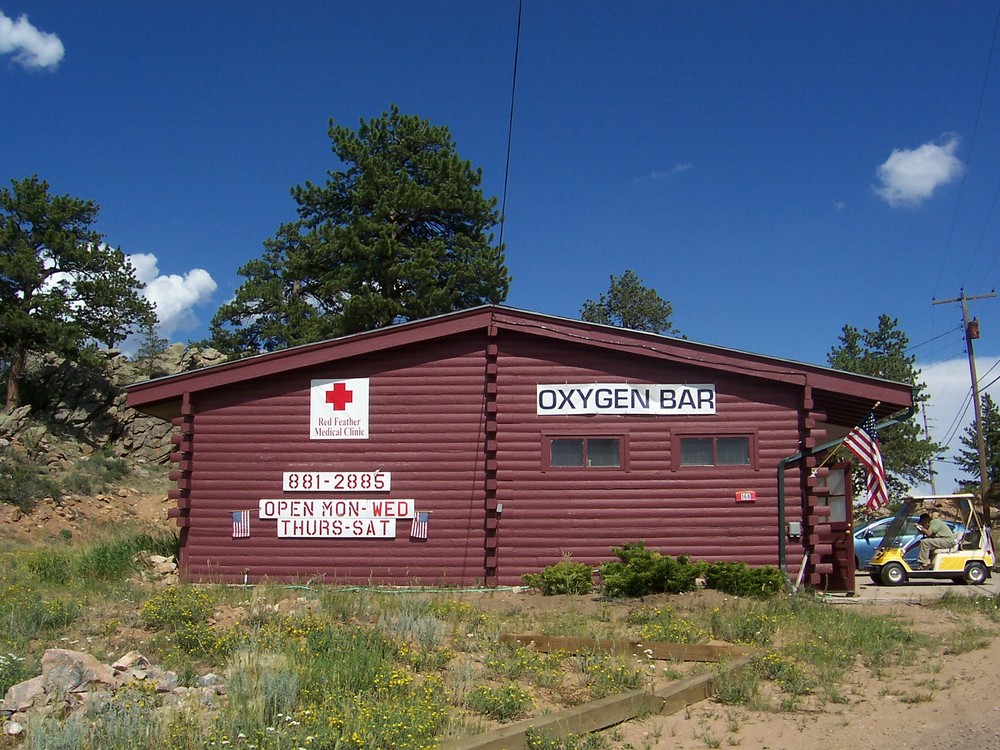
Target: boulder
[{"x": 66, "y": 671}]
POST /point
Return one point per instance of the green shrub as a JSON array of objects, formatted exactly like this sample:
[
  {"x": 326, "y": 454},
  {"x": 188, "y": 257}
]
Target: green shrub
[
  {"x": 50, "y": 565},
  {"x": 95, "y": 474},
  {"x": 201, "y": 639},
  {"x": 607, "y": 675},
  {"x": 262, "y": 687},
  {"x": 126, "y": 718},
  {"x": 661, "y": 624},
  {"x": 640, "y": 572},
  {"x": 173, "y": 606},
  {"x": 24, "y": 481},
  {"x": 503, "y": 704},
  {"x": 736, "y": 687},
  {"x": 115, "y": 559},
  {"x": 739, "y": 579},
  {"x": 565, "y": 577},
  {"x": 55, "y": 733},
  {"x": 740, "y": 626}
]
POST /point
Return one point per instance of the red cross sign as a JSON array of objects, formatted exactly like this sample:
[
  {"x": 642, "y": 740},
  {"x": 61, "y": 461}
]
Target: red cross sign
[{"x": 340, "y": 397}]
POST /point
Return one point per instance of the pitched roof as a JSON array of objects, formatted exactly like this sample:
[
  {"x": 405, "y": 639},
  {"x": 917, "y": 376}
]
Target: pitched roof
[{"x": 845, "y": 397}]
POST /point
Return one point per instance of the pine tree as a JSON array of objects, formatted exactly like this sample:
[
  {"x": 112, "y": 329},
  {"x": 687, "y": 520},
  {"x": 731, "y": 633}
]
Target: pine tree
[
  {"x": 62, "y": 289},
  {"x": 401, "y": 232},
  {"x": 630, "y": 304},
  {"x": 151, "y": 347},
  {"x": 968, "y": 457},
  {"x": 881, "y": 353}
]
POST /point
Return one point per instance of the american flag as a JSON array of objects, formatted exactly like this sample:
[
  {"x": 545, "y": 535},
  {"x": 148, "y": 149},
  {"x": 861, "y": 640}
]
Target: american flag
[
  {"x": 862, "y": 441},
  {"x": 241, "y": 524},
  {"x": 418, "y": 530}
]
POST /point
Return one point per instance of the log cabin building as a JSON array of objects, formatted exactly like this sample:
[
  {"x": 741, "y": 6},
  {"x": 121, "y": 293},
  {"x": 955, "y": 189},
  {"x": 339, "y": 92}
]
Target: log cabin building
[{"x": 473, "y": 447}]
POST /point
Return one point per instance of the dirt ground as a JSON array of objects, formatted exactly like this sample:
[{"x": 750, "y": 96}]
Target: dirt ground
[{"x": 946, "y": 701}]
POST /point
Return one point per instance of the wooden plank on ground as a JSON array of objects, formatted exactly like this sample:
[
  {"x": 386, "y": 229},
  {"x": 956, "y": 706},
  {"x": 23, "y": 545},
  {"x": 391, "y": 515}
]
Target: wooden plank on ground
[
  {"x": 664, "y": 651},
  {"x": 597, "y": 715}
]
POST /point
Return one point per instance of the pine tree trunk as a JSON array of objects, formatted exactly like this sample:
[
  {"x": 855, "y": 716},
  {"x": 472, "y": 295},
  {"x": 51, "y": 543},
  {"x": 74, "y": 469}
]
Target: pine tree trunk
[{"x": 17, "y": 366}]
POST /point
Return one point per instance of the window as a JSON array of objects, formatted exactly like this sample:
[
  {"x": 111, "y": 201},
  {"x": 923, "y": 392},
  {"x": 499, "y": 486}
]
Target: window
[
  {"x": 591, "y": 452},
  {"x": 715, "y": 451}
]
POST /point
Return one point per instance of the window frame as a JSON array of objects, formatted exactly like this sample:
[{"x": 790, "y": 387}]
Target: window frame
[
  {"x": 714, "y": 435},
  {"x": 547, "y": 436}
]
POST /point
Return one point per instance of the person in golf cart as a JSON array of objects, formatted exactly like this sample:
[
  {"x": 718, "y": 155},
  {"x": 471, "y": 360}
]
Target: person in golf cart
[{"x": 937, "y": 535}]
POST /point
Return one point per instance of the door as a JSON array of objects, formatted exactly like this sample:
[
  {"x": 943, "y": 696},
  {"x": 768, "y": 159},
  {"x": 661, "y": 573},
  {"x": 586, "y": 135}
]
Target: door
[{"x": 841, "y": 534}]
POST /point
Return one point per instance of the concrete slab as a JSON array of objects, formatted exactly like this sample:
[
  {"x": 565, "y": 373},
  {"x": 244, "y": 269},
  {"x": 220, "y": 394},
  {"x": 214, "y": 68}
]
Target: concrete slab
[{"x": 913, "y": 591}]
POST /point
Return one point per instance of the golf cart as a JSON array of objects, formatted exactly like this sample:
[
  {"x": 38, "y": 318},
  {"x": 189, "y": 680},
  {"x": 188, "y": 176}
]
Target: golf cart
[{"x": 969, "y": 560}]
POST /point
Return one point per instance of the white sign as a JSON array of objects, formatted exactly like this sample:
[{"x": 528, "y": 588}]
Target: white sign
[
  {"x": 625, "y": 398},
  {"x": 338, "y": 409},
  {"x": 351, "y": 509},
  {"x": 381, "y": 528},
  {"x": 336, "y": 481}
]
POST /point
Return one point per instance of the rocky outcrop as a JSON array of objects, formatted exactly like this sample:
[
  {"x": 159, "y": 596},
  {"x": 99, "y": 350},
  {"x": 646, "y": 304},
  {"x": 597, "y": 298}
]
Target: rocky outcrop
[
  {"x": 70, "y": 680},
  {"x": 73, "y": 410}
]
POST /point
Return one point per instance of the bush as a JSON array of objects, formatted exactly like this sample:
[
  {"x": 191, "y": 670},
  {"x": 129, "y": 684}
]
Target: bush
[
  {"x": 739, "y": 579},
  {"x": 170, "y": 607},
  {"x": 24, "y": 481},
  {"x": 640, "y": 572},
  {"x": 95, "y": 474},
  {"x": 115, "y": 559},
  {"x": 565, "y": 577},
  {"x": 503, "y": 704}
]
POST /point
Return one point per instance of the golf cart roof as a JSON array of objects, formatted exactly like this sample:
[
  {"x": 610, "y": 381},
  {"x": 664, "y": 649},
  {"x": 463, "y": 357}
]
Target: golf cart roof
[{"x": 956, "y": 496}]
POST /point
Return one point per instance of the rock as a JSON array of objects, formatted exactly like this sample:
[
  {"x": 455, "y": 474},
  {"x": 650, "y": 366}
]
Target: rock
[
  {"x": 12, "y": 729},
  {"x": 130, "y": 660},
  {"x": 74, "y": 671},
  {"x": 165, "y": 680},
  {"x": 22, "y": 696},
  {"x": 207, "y": 680}
]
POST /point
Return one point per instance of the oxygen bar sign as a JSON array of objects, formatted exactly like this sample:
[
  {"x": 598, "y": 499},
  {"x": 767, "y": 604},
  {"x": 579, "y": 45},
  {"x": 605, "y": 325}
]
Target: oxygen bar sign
[{"x": 625, "y": 398}]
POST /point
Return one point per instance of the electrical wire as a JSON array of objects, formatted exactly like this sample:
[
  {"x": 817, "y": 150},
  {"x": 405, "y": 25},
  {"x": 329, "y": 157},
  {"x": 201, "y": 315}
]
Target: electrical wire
[
  {"x": 934, "y": 338},
  {"x": 975, "y": 129},
  {"x": 972, "y": 144},
  {"x": 510, "y": 127}
]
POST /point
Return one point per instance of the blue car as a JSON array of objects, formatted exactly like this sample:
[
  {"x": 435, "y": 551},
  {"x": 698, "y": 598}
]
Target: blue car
[{"x": 868, "y": 538}]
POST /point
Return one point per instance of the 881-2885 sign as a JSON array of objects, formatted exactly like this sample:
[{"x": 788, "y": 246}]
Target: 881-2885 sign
[{"x": 625, "y": 398}]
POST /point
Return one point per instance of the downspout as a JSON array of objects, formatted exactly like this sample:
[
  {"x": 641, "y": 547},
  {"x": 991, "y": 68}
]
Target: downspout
[{"x": 783, "y": 463}]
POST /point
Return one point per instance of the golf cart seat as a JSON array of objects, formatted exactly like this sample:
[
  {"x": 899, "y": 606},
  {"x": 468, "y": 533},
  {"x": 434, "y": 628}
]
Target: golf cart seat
[
  {"x": 971, "y": 539},
  {"x": 955, "y": 546}
]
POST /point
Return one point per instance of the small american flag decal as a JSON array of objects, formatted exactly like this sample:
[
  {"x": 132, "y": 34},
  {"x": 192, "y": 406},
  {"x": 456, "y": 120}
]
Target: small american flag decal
[
  {"x": 418, "y": 530},
  {"x": 241, "y": 524}
]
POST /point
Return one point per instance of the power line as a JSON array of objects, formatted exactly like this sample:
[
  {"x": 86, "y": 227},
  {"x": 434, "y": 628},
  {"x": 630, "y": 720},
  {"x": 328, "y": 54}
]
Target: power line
[
  {"x": 935, "y": 338},
  {"x": 972, "y": 140},
  {"x": 510, "y": 126}
]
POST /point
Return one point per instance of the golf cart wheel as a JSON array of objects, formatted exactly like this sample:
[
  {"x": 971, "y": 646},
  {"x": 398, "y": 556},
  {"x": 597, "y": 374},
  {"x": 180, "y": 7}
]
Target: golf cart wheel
[
  {"x": 975, "y": 573},
  {"x": 893, "y": 574},
  {"x": 876, "y": 577}
]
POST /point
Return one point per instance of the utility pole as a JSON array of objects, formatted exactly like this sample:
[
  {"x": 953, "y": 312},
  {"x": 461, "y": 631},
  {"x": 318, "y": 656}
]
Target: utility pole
[{"x": 972, "y": 332}]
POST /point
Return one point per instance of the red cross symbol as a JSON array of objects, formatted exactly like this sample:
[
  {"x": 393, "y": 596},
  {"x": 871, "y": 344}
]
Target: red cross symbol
[{"x": 340, "y": 397}]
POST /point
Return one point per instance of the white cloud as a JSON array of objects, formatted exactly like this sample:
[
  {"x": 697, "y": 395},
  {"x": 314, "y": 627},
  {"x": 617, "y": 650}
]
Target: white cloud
[
  {"x": 950, "y": 411},
  {"x": 31, "y": 48},
  {"x": 173, "y": 296},
  {"x": 678, "y": 168},
  {"x": 909, "y": 177}
]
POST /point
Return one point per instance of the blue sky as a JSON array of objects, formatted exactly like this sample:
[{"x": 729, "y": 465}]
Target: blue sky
[{"x": 774, "y": 169}]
